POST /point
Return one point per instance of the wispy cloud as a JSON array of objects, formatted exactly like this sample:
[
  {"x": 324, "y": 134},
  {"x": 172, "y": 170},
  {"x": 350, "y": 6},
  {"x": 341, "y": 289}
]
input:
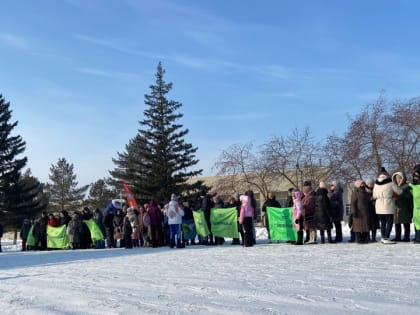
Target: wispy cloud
[
  {"x": 110, "y": 74},
  {"x": 115, "y": 45},
  {"x": 14, "y": 41}
]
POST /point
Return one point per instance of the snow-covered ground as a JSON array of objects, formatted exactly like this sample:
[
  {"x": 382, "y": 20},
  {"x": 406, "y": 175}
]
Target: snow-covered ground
[{"x": 265, "y": 279}]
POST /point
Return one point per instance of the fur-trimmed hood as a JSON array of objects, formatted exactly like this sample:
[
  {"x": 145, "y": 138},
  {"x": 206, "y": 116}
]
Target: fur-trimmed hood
[{"x": 402, "y": 175}]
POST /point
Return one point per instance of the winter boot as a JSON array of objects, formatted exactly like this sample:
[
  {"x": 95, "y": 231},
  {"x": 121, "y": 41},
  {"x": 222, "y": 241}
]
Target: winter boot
[
  {"x": 352, "y": 236},
  {"x": 338, "y": 232},
  {"x": 397, "y": 233},
  {"x": 299, "y": 238},
  {"x": 321, "y": 233},
  {"x": 307, "y": 237},
  {"x": 180, "y": 243},
  {"x": 357, "y": 237},
  {"x": 330, "y": 240},
  {"x": 312, "y": 237},
  {"x": 373, "y": 237},
  {"x": 417, "y": 236},
  {"x": 406, "y": 232},
  {"x": 365, "y": 237},
  {"x": 172, "y": 243}
]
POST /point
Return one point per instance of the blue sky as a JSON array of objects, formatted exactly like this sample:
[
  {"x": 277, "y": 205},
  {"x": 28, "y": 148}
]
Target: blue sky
[{"x": 76, "y": 71}]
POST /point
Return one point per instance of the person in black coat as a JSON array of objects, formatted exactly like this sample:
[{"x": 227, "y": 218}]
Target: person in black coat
[
  {"x": 250, "y": 193},
  {"x": 40, "y": 232},
  {"x": 206, "y": 206},
  {"x": 85, "y": 237},
  {"x": 109, "y": 228},
  {"x": 64, "y": 218},
  {"x": 323, "y": 212},
  {"x": 270, "y": 202}
]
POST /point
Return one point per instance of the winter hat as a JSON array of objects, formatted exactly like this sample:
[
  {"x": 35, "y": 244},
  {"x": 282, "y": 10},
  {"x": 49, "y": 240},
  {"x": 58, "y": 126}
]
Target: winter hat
[
  {"x": 307, "y": 183},
  {"x": 322, "y": 184},
  {"x": 369, "y": 182},
  {"x": 358, "y": 183},
  {"x": 383, "y": 171}
]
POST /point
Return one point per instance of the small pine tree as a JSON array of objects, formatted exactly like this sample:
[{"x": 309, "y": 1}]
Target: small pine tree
[
  {"x": 158, "y": 161},
  {"x": 63, "y": 191}
]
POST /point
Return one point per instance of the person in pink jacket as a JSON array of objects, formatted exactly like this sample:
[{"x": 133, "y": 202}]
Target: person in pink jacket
[
  {"x": 245, "y": 218},
  {"x": 298, "y": 215}
]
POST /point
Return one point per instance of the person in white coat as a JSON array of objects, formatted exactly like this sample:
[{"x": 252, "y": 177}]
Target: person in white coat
[
  {"x": 384, "y": 194},
  {"x": 175, "y": 214}
]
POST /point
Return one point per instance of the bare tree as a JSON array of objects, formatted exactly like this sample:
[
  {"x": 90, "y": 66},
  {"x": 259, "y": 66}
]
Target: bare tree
[
  {"x": 293, "y": 159},
  {"x": 403, "y": 134},
  {"x": 241, "y": 168},
  {"x": 381, "y": 134},
  {"x": 297, "y": 151}
]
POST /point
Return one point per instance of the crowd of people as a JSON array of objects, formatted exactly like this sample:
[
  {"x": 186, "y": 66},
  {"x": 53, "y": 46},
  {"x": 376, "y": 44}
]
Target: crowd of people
[
  {"x": 151, "y": 225},
  {"x": 380, "y": 204}
]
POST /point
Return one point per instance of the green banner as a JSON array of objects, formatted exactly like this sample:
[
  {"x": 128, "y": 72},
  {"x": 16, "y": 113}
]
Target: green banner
[
  {"x": 95, "y": 231},
  {"x": 415, "y": 189},
  {"x": 200, "y": 223},
  {"x": 57, "y": 237},
  {"x": 281, "y": 224},
  {"x": 224, "y": 222},
  {"x": 30, "y": 241}
]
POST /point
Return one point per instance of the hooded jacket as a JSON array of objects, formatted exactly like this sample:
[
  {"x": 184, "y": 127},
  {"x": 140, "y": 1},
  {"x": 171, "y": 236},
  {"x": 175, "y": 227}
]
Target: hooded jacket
[
  {"x": 175, "y": 212},
  {"x": 404, "y": 201},
  {"x": 384, "y": 194}
]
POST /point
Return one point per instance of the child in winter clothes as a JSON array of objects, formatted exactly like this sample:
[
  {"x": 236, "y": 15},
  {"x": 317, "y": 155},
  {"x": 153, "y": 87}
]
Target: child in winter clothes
[
  {"x": 245, "y": 218},
  {"x": 175, "y": 214},
  {"x": 298, "y": 215}
]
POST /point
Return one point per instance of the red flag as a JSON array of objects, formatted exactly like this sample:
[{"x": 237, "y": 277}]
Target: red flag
[{"x": 130, "y": 199}]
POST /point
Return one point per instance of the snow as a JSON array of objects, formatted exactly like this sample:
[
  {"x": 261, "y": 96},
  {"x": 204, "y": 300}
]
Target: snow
[{"x": 264, "y": 279}]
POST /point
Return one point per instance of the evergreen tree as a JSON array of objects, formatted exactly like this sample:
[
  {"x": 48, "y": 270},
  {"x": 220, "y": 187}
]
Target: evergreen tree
[
  {"x": 28, "y": 199},
  {"x": 100, "y": 194},
  {"x": 158, "y": 161},
  {"x": 10, "y": 165},
  {"x": 63, "y": 191}
]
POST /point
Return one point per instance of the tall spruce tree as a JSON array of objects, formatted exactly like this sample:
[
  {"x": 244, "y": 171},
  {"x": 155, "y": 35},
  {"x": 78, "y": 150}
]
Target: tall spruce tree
[
  {"x": 28, "y": 199},
  {"x": 63, "y": 191},
  {"x": 158, "y": 161},
  {"x": 10, "y": 165}
]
